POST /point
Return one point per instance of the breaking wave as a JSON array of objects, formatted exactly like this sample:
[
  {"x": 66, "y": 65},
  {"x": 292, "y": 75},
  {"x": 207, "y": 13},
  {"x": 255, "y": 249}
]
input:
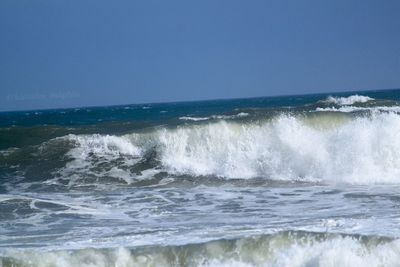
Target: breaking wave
[{"x": 327, "y": 147}]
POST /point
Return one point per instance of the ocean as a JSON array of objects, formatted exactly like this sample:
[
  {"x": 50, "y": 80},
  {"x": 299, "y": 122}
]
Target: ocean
[{"x": 306, "y": 180}]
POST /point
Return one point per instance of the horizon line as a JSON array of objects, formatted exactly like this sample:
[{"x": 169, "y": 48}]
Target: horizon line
[{"x": 200, "y": 100}]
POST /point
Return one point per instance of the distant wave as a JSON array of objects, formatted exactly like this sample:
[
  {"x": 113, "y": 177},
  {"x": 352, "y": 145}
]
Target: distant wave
[
  {"x": 348, "y": 109},
  {"x": 188, "y": 118},
  {"x": 350, "y": 100},
  {"x": 223, "y": 117}
]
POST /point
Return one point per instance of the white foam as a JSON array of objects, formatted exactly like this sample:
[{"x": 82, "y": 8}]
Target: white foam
[
  {"x": 350, "y": 100},
  {"x": 242, "y": 114},
  {"x": 92, "y": 151},
  {"x": 227, "y": 117},
  {"x": 107, "y": 147},
  {"x": 338, "y": 252},
  {"x": 102, "y": 145}
]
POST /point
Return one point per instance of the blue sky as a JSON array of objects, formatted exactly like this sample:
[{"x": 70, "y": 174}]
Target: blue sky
[{"x": 56, "y": 53}]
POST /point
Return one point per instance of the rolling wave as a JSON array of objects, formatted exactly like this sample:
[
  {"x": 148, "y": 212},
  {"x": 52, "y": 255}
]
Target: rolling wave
[{"x": 281, "y": 249}]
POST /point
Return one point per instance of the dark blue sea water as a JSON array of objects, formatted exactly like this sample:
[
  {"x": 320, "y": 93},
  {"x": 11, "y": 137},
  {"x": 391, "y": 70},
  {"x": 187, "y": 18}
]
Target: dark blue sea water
[{"x": 306, "y": 180}]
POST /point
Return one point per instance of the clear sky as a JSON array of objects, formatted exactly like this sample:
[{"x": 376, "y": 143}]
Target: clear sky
[{"x": 56, "y": 53}]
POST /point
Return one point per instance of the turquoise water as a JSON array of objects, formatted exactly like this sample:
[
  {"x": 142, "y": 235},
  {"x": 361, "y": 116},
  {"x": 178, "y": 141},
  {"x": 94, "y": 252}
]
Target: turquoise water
[{"x": 307, "y": 180}]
